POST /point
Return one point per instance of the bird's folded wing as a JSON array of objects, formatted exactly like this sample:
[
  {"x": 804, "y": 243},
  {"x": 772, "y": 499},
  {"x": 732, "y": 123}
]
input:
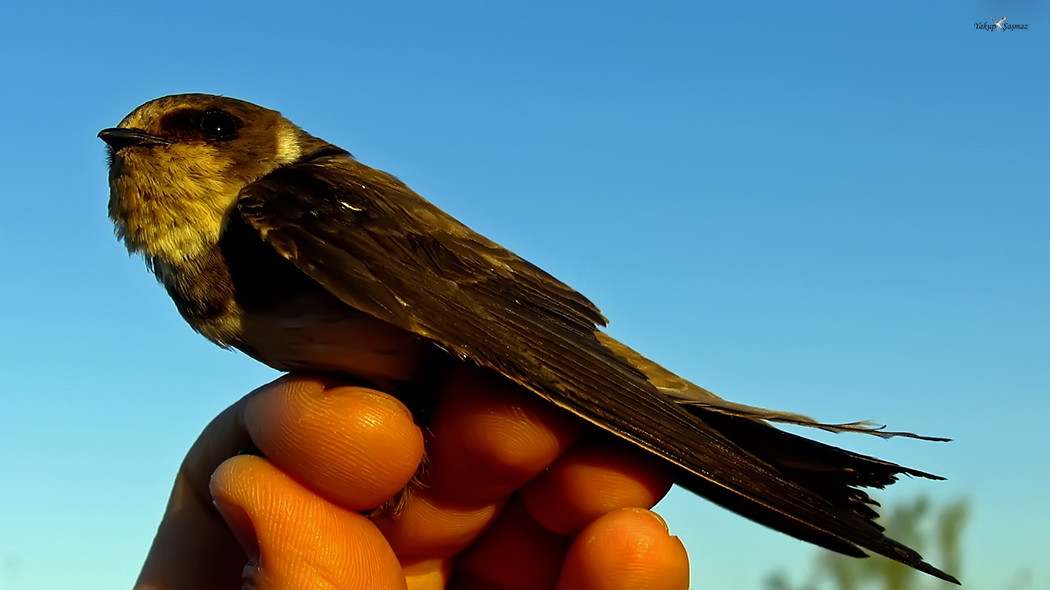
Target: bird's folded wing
[{"x": 381, "y": 248}]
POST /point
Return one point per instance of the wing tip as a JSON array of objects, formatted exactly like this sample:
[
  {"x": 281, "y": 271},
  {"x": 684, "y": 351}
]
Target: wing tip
[
  {"x": 926, "y": 568},
  {"x": 911, "y": 558}
]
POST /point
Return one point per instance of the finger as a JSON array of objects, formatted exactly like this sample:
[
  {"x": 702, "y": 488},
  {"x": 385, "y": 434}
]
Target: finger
[
  {"x": 490, "y": 436},
  {"x": 429, "y": 527},
  {"x": 295, "y": 538},
  {"x": 353, "y": 446},
  {"x": 598, "y": 475},
  {"x": 195, "y": 549},
  {"x": 629, "y": 549},
  {"x": 516, "y": 552}
]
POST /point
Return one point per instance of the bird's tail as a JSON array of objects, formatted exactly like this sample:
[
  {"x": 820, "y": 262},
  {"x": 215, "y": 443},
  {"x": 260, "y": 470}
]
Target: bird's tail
[{"x": 828, "y": 473}]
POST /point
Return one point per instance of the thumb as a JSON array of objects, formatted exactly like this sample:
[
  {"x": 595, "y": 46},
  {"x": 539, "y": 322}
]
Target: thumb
[{"x": 296, "y": 539}]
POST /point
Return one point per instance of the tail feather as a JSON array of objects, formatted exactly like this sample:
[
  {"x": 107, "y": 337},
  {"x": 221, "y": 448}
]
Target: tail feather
[
  {"x": 698, "y": 397},
  {"x": 832, "y": 473},
  {"x": 830, "y": 476}
]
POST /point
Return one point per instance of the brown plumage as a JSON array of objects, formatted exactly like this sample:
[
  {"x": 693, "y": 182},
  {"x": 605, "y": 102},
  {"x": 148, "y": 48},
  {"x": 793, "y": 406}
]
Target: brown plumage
[{"x": 279, "y": 244}]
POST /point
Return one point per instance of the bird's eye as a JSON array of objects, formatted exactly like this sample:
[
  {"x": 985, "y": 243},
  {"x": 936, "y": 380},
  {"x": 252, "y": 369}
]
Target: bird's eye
[{"x": 218, "y": 124}]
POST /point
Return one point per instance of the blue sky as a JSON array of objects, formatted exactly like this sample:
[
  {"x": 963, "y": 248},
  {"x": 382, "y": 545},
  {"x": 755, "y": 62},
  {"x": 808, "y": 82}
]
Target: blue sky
[{"x": 821, "y": 207}]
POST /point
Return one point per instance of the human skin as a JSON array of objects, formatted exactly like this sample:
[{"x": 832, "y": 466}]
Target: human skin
[{"x": 517, "y": 494}]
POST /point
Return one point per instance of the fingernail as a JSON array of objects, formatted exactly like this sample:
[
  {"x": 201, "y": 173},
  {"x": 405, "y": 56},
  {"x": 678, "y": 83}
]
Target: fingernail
[{"x": 653, "y": 515}]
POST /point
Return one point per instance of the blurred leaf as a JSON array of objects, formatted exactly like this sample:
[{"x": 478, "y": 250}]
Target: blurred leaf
[{"x": 914, "y": 523}]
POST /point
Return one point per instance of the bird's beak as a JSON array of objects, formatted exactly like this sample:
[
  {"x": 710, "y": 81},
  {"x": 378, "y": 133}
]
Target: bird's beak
[{"x": 119, "y": 137}]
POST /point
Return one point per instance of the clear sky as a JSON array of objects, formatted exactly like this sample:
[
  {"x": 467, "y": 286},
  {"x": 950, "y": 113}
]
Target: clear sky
[{"x": 837, "y": 208}]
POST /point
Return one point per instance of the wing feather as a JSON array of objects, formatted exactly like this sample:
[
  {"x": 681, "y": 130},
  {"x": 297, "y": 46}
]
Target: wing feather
[{"x": 381, "y": 248}]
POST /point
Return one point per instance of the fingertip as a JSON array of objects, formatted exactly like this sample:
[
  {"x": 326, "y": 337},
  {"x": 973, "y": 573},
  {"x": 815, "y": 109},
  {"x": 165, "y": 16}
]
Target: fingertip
[
  {"x": 593, "y": 478},
  {"x": 226, "y": 489},
  {"x": 434, "y": 527},
  {"x": 354, "y": 446},
  {"x": 490, "y": 436},
  {"x": 298, "y": 539},
  {"x": 628, "y": 548}
]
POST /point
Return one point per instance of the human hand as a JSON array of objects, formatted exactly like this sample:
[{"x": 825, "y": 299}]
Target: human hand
[{"x": 514, "y": 497}]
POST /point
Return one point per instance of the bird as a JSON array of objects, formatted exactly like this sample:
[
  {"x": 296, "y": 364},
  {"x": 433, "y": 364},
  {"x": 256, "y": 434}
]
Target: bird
[
  {"x": 281, "y": 245},
  {"x": 999, "y": 23}
]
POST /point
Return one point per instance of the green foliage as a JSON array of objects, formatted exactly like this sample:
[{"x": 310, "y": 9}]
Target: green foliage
[{"x": 916, "y": 524}]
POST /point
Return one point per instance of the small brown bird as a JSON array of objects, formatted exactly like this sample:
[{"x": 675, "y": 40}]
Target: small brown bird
[{"x": 284, "y": 246}]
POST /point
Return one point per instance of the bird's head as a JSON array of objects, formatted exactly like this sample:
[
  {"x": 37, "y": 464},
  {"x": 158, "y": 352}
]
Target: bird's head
[{"x": 177, "y": 164}]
